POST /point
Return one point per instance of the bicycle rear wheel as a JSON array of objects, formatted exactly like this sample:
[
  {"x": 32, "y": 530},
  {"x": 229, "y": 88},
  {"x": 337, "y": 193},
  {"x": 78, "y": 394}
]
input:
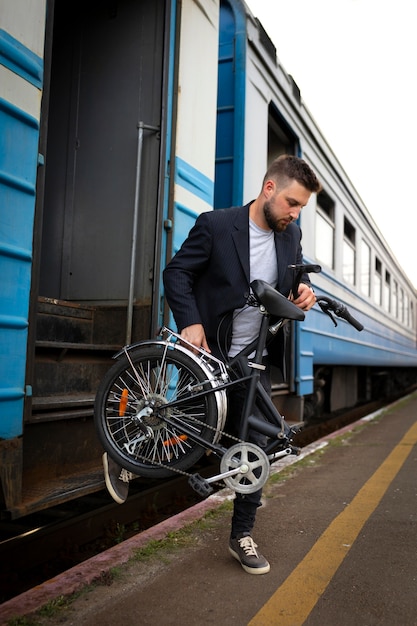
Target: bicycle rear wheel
[{"x": 131, "y": 421}]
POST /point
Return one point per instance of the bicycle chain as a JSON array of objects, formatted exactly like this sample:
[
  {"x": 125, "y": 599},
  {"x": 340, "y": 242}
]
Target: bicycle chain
[
  {"x": 182, "y": 472},
  {"x": 221, "y": 433},
  {"x": 196, "y": 421}
]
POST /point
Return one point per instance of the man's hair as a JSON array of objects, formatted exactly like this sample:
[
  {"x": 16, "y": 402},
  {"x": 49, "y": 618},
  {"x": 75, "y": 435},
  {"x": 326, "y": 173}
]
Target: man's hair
[{"x": 288, "y": 167}]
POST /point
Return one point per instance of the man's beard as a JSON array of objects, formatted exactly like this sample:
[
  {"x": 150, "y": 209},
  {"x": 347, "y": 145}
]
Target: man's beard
[{"x": 276, "y": 225}]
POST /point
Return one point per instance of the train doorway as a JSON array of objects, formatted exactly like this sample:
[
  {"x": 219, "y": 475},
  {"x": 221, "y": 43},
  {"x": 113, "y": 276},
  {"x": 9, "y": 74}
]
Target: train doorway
[
  {"x": 99, "y": 220},
  {"x": 106, "y": 77}
]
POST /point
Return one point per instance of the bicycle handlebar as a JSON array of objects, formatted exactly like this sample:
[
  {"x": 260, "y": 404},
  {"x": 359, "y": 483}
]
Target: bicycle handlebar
[
  {"x": 328, "y": 305},
  {"x": 299, "y": 271}
]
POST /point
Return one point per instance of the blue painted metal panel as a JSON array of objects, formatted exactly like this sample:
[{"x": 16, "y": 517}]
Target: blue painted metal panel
[
  {"x": 202, "y": 187},
  {"x": 319, "y": 342},
  {"x": 20, "y": 59},
  {"x": 198, "y": 184},
  {"x": 184, "y": 221},
  {"x": 230, "y": 106},
  {"x": 343, "y": 345},
  {"x": 190, "y": 178},
  {"x": 19, "y": 134},
  {"x": 304, "y": 355}
]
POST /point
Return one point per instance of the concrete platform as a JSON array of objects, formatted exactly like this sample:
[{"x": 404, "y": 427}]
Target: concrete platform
[{"x": 340, "y": 533}]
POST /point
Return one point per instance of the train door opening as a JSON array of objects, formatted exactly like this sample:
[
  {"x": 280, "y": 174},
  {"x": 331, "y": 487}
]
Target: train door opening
[
  {"x": 106, "y": 79},
  {"x": 102, "y": 115}
]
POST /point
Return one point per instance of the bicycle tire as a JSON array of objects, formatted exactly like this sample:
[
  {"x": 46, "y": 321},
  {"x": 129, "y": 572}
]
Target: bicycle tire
[{"x": 154, "y": 374}]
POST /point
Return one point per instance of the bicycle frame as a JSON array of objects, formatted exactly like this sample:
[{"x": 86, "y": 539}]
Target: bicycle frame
[{"x": 273, "y": 426}]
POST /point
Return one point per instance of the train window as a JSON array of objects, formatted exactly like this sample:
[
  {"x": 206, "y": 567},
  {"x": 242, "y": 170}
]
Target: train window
[
  {"x": 349, "y": 252},
  {"x": 406, "y": 310},
  {"x": 365, "y": 275},
  {"x": 401, "y": 304},
  {"x": 280, "y": 137},
  {"x": 325, "y": 229},
  {"x": 395, "y": 299},
  {"x": 412, "y": 316},
  {"x": 378, "y": 282},
  {"x": 387, "y": 292}
]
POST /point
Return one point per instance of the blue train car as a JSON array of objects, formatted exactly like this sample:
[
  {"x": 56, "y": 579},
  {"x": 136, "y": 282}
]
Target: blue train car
[
  {"x": 106, "y": 157},
  {"x": 120, "y": 122}
]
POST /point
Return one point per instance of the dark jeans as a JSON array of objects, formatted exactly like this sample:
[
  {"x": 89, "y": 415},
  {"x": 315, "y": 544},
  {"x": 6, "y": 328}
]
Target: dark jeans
[{"x": 246, "y": 505}]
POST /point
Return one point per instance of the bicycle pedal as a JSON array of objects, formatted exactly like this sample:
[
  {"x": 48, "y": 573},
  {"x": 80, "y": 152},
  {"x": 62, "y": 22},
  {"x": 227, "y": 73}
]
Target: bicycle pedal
[{"x": 200, "y": 485}]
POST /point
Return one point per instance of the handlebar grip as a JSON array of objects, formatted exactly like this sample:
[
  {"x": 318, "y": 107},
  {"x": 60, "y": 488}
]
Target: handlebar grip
[
  {"x": 328, "y": 306},
  {"x": 349, "y": 318}
]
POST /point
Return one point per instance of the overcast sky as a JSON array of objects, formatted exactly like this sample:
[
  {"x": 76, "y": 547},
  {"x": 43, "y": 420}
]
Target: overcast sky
[{"x": 355, "y": 62}]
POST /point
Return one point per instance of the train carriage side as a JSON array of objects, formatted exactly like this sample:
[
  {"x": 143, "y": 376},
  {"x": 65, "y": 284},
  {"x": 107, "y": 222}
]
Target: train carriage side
[
  {"x": 253, "y": 126},
  {"x": 328, "y": 367},
  {"x": 274, "y": 123},
  {"x": 380, "y": 361},
  {"x": 128, "y": 127}
]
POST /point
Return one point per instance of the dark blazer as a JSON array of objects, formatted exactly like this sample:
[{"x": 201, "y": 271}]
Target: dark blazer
[{"x": 209, "y": 276}]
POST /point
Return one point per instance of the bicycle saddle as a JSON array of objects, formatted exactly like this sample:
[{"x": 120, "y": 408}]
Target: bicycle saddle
[{"x": 275, "y": 303}]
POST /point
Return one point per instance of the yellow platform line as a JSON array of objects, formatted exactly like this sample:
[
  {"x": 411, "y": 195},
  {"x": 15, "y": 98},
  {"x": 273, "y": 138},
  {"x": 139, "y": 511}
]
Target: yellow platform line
[{"x": 294, "y": 600}]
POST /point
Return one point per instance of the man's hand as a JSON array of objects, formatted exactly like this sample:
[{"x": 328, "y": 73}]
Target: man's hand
[
  {"x": 306, "y": 298},
  {"x": 195, "y": 334}
]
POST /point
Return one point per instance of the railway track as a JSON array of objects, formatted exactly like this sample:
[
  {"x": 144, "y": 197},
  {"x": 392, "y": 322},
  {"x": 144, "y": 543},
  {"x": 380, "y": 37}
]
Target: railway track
[{"x": 41, "y": 546}]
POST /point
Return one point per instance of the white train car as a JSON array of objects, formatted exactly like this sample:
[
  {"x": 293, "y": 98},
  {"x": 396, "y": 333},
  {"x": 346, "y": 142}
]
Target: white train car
[{"x": 330, "y": 367}]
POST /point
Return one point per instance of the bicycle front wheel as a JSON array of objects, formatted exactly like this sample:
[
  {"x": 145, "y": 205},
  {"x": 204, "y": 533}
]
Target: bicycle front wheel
[{"x": 134, "y": 427}]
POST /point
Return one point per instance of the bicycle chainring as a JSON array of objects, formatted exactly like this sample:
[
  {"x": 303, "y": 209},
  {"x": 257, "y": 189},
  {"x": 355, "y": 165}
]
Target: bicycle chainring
[{"x": 255, "y": 467}]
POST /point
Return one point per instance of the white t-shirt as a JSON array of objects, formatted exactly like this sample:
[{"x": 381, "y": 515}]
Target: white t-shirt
[{"x": 263, "y": 265}]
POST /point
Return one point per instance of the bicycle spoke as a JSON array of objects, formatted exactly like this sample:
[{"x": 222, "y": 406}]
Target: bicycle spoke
[{"x": 137, "y": 415}]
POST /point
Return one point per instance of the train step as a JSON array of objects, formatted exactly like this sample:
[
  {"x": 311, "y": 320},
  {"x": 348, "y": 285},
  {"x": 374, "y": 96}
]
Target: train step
[
  {"x": 65, "y": 406},
  {"x": 91, "y": 325},
  {"x": 59, "y": 320},
  {"x": 63, "y": 372},
  {"x": 50, "y": 490}
]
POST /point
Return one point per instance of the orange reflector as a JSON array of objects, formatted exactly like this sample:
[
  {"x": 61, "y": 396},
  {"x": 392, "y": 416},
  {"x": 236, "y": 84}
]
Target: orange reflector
[
  {"x": 123, "y": 402},
  {"x": 174, "y": 440}
]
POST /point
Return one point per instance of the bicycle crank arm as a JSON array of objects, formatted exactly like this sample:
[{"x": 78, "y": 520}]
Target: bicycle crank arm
[
  {"x": 202, "y": 485},
  {"x": 282, "y": 453},
  {"x": 242, "y": 469}
]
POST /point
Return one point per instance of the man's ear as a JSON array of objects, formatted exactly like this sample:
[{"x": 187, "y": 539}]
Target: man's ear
[{"x": 269, "y": 188}]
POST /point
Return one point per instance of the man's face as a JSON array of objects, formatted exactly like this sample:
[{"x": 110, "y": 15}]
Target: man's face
[{"x": 283, "y": 206}]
